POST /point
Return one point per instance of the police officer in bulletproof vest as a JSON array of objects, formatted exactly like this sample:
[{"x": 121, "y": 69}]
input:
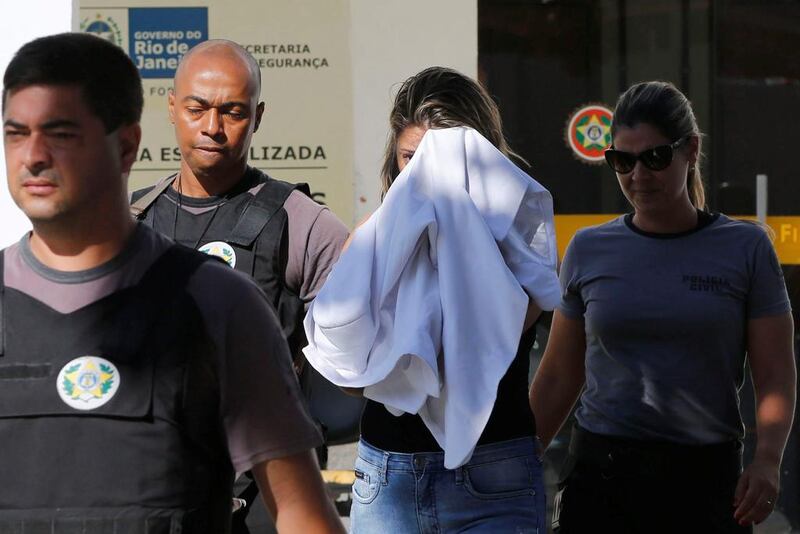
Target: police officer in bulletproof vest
[
  {"x": 216, "y": 203},
  {"x": 136, "y": 376}
]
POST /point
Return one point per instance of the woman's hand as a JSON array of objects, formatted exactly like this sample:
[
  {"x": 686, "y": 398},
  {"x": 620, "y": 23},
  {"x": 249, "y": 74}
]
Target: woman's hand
[
  {"x": 532, "y": 315},
  {"x": 771, "y": 356},
  {"x": 560, "y": 376},
  {"x": 757, "y": 491}
]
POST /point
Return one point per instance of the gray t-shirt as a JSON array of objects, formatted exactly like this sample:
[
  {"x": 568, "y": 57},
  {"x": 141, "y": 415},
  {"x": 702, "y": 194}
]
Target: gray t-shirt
[
  {"x": 665, "y": 321},
  {"x": 263, "y": 413},
  {"x": 316, "y": 237}
]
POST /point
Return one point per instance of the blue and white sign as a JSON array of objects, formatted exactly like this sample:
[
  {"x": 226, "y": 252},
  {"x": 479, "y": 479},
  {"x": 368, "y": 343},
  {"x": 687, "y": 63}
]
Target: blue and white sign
[{"x": 158, "y": 37}]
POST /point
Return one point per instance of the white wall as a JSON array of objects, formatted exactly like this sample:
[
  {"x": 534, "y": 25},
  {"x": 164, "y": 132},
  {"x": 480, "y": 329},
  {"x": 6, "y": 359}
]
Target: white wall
[
  {"x": 21, "y": 22},
  {"x": 391, "y": 41}
]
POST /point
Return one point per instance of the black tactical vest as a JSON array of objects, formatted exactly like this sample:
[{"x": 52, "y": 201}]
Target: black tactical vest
[
  {"x": 255, "y": 227},
  {"x": 153, "y": 459}
]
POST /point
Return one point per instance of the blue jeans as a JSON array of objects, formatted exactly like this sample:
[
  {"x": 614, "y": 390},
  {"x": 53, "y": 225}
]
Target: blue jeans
[{"x": 499, "y": 490}]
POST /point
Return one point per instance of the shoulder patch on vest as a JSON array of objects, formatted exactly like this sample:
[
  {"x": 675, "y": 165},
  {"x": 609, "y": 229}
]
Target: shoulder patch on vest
[
  {"x": 221, "y": 250},
  {"x": 88, "y": 382}
]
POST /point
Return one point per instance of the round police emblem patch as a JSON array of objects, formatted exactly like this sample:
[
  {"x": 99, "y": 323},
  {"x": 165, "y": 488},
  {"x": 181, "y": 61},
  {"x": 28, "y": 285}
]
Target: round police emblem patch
[
  {"x": 222, "y": 250},
  {"x": 104, "y": 27},
  {"x": 88, "y": 382},
  {"x": 589, "y": 133}
]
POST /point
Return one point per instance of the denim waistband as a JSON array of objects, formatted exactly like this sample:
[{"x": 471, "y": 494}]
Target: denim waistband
[{"x": 434, "y": 461}]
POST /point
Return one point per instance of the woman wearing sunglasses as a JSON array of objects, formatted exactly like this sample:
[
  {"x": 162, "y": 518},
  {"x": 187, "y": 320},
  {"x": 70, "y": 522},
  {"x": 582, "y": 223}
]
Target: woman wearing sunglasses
[{"x": 659, "y": 309}]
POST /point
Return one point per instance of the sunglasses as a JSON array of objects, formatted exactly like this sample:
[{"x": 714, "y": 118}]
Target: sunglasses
[{"x": 657, "y": 158}]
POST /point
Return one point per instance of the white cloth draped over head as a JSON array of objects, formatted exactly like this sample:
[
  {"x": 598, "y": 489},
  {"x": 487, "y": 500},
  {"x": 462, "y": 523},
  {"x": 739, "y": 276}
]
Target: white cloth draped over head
[{"x": 425, "y": 309}]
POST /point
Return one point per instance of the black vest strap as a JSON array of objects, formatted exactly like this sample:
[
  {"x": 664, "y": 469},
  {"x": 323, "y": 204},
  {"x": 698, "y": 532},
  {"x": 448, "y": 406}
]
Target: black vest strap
[
  {"x": 269, "y": 199},
  {"x": 176, "y": 265},
  {"x": 140, "y": 205}
]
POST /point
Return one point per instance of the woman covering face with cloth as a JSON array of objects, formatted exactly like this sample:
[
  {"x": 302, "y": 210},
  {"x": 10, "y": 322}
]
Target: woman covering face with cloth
[
  {"x": 663, "y": 311},
  {"x": 447, "y": 435}
]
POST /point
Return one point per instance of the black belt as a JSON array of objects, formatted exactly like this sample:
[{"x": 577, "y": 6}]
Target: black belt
[{"x": 615, "y": 456}]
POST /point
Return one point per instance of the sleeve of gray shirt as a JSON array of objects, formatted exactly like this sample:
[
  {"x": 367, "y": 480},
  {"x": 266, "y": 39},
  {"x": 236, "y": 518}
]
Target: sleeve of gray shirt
[
  {"x": 767, "y": 295},
  {"x": 316, "y": 237},
  {"x": 571, "y": 304},
  {"x": 262, "y": 409}
]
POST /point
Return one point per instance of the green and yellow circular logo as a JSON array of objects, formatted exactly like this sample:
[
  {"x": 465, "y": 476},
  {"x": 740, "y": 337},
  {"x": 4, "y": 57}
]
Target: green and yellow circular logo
[
  {"x": 220, "y": 249},
  {"x": 589, "y": 132},
  {"x": 103, "y": 27},
  {"x": 87, "y": 382}
]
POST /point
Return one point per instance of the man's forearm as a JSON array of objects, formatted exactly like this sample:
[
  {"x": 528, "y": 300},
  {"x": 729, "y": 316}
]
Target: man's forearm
[{"x": 293, "y": 490}]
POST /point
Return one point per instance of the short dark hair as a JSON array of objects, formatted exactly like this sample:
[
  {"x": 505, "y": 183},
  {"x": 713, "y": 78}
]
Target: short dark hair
[{"x": 108, "y": 79}]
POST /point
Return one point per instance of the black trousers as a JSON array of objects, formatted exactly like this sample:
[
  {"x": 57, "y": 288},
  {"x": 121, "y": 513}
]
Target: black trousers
[{"x": 630, "y": 487}]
